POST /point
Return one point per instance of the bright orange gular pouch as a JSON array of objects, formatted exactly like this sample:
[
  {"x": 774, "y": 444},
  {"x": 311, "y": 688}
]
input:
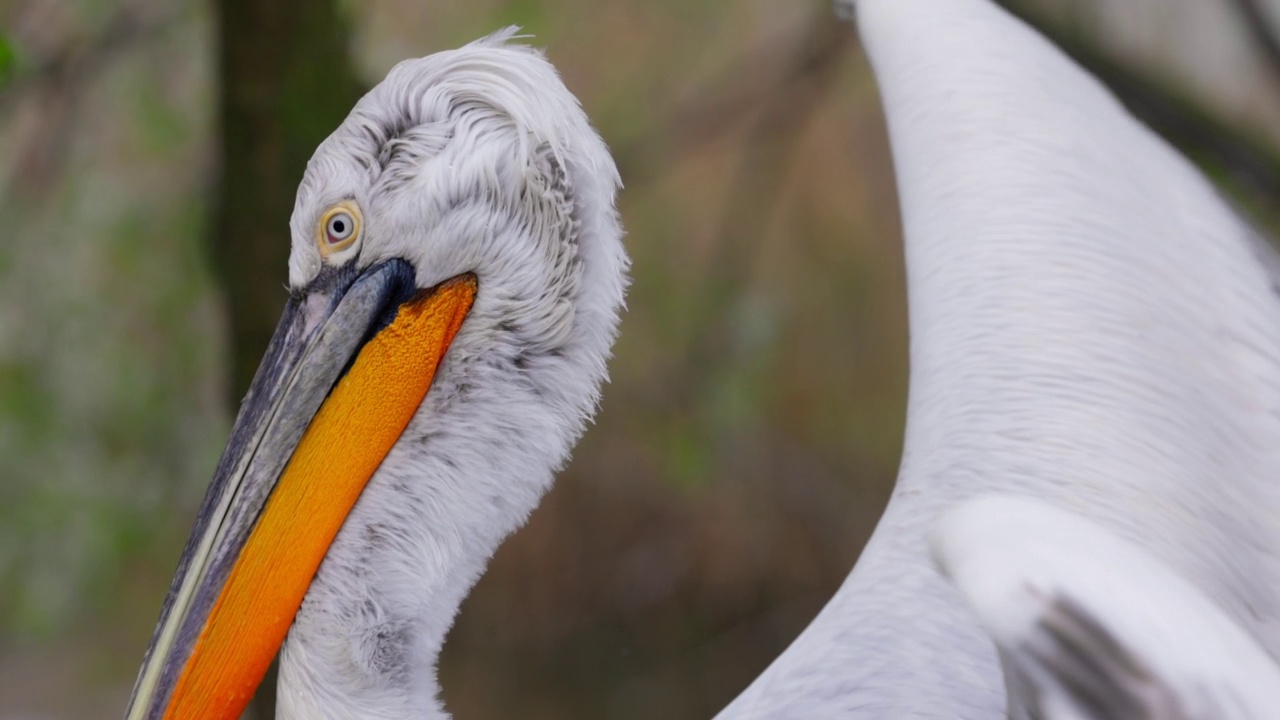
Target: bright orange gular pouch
[{"x": 346, "y": 441}]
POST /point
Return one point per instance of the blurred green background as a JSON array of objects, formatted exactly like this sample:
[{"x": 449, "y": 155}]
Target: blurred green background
[{"x": 149, "y": 151}]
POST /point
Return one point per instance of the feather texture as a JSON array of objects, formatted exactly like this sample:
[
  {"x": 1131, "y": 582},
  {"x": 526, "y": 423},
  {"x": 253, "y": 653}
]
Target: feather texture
[
  {"x": 475, "y": 160},
  {"x": 1091, "y": 325},
  {"x": 1091, "y": 627}
]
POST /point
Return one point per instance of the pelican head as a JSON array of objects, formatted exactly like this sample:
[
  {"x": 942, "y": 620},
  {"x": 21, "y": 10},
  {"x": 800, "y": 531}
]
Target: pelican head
[{"x": 455, "y": 281}]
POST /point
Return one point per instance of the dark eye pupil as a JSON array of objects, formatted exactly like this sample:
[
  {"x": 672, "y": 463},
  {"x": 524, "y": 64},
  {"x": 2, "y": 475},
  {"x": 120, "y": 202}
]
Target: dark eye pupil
[{"x": 339, "y": 227}]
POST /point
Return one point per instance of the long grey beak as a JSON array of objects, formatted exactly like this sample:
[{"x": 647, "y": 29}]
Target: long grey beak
[{"x": 319, "y": 335}]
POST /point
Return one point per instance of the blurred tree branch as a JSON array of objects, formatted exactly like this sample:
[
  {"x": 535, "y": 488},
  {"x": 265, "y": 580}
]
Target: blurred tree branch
[
  {"x": 1260, "y": 28},
  {"x": 778, "y": 110},
  {"x": 767, "y": 158},
  {"x": 77, "y": 63},
  {"x": 722, "y": 104},
  {"x": 1249, "y": 163},
  {"x": 58, "y": 82},
  {"x": 717, "y": 107}
]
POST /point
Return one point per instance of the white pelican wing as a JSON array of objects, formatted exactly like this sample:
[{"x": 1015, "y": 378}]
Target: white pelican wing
[
  {"x": 1091, "y": 326},
  {"x": 1091, "y": 626}
]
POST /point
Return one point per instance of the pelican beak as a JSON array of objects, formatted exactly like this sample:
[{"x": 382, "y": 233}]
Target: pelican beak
[{"x": 350, "y": 362}]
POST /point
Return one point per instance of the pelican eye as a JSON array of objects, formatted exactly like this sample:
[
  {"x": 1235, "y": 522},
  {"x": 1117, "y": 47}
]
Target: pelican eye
[{"x": 339, "y": 228}]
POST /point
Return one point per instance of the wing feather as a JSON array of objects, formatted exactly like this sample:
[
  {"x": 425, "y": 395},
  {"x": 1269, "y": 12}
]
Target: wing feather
[{"x": 1091, "y": 627}]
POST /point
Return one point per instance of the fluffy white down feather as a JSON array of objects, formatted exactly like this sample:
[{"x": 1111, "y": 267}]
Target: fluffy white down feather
[{"x": 474, "y": 160}]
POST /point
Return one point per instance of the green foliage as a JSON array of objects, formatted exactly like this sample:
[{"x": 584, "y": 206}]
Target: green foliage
[
  {"x": 109, "y": 342},
  {"x": 528, "y": 14},
  {"x": 8, "y": 60},
  {"x": 163, "y": 128}
]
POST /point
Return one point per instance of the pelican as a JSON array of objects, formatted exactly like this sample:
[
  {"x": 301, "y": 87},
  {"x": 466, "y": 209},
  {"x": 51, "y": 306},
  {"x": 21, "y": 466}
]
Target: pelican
[
  {"x": 1094, "y": 330},
  {"x": 456, "y": 277}
]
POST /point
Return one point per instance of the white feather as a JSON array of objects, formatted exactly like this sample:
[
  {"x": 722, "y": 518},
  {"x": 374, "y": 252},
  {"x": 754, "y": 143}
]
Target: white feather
[
  {"x": 1092, "y": 626},
  {"x": 1091, "y": 325}
]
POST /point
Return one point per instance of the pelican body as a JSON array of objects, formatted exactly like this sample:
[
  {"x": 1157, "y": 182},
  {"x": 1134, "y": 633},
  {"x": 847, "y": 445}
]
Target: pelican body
[{"x": 455, "y": 280}]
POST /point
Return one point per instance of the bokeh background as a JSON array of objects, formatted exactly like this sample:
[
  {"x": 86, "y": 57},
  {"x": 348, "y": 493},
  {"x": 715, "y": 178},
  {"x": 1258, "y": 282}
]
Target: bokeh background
[{"x": 149, "y": 151}]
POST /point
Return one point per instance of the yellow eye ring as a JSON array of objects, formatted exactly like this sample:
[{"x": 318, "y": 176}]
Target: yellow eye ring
[{"x": 339, "y": 228}]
